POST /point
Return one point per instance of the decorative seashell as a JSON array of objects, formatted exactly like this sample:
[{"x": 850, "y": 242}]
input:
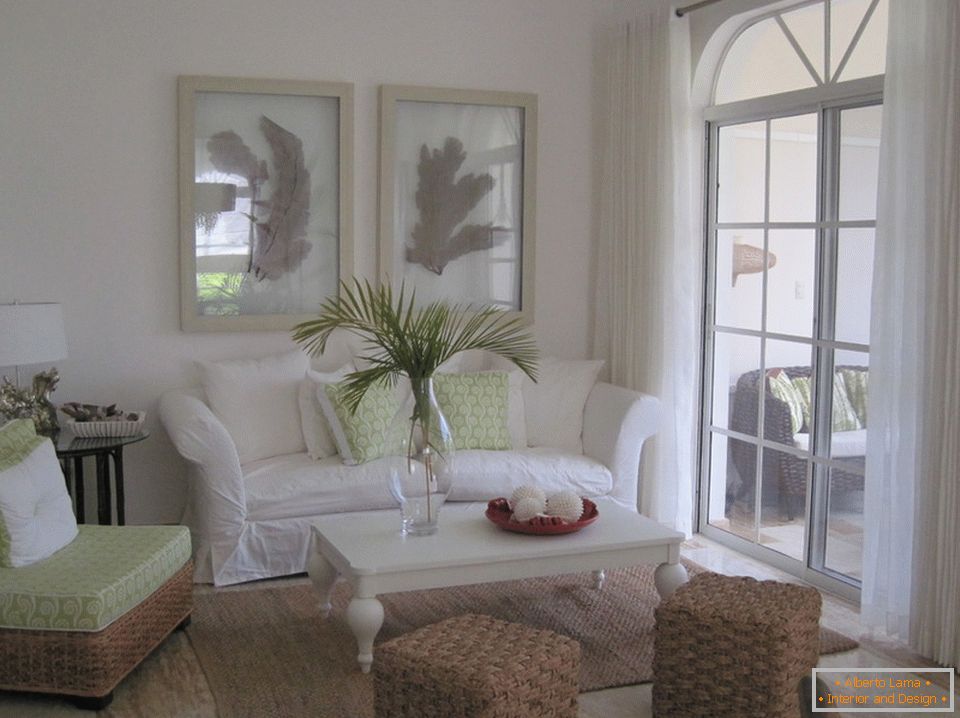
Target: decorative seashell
[
  {"x": 526, "y": 508},
  {"x": 529, "y": 492},
  {"x": 565, "y": 504}
]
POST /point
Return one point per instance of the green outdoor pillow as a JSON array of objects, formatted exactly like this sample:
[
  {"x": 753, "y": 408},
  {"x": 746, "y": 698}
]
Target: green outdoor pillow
[
  {"x": 786, "y": 391},
  {"x": 360, "y": 436},
  {"x": 844, "y": 416},
  {"x": 856, "y": 383},
  {"x": 476, "y": 406},
  {"x": 802, "y": 385}
]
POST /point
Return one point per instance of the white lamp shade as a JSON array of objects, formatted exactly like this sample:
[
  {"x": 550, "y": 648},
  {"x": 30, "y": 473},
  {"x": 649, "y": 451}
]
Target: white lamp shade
[{"x": 31, "y": 334}]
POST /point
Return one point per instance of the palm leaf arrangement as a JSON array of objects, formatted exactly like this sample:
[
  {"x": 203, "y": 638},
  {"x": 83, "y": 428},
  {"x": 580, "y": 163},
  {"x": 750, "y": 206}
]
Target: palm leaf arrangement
[{"x": 402, "y": 339}]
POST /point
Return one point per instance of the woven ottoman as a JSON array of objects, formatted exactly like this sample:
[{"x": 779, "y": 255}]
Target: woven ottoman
[
  {"x": 78, "y": 622},
  {"x": 734, "y": 646},
  {"x": 476, "y": 666}
]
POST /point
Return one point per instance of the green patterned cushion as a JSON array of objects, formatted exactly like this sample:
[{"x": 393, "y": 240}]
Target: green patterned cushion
[
  {"x": 802, "y": 385},
  {"x": 785, "y": 390},
  {"x": 101, "y": 575},
  {"x": 476, "y": 405},
  {"x": 844, "y": 416},
  {"x": 856, "y": 383},
  {"x": 360, "y": 436}
]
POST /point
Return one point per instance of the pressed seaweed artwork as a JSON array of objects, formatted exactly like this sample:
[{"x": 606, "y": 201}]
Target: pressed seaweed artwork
[
  {"x": 444, "y": 202},
  {"x": 457, "y": 195},
  {"x": 265, "y": 201}
]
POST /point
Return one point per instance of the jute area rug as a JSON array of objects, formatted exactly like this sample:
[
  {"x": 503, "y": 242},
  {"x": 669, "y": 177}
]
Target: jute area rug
[{"x": 269, "y": 653}]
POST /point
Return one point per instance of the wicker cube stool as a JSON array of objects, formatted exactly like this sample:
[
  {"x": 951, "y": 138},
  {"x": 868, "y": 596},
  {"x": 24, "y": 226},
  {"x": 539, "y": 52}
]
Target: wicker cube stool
[
  {"x": 734, "y": 646},
  {"x": 476, "y": 666}
]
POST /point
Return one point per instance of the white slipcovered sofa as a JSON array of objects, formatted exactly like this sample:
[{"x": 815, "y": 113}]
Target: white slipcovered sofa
[{"x": 252, "y": 520}]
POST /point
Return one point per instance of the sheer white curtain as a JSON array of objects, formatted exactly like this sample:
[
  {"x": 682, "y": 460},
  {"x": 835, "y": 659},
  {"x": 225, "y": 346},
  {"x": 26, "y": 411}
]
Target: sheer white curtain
[
  {"x": 648, "y": 255},
  {"x": 912, "y": 500}
]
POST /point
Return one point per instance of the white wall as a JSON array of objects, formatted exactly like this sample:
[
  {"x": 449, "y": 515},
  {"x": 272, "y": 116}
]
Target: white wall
[{"x": 88, "y": 208}]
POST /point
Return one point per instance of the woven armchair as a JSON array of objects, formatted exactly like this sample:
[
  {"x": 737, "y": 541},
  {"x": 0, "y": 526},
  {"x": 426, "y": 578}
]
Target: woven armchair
[{"x": 781, "y": 471}]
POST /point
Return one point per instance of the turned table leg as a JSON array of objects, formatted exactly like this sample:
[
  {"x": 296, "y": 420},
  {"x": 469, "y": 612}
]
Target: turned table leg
[
  {"x": 324, "y": 577},
  {"x": 365, "y": 616},
  {"x": 668, "y": 578}
]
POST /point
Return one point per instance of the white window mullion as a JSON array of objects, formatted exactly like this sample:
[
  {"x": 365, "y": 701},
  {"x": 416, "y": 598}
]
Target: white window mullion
[
  {"x": 799, "y": 50},
  {"x": 856, "y": 38}
]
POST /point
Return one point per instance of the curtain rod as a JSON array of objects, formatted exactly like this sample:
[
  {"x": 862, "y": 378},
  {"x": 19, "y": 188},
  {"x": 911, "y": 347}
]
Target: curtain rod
[{"x": 681, "y": 11}]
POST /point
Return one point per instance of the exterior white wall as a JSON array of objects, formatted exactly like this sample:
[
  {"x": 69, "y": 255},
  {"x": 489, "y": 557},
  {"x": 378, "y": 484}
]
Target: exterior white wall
[{"x": 88, "y": 162}]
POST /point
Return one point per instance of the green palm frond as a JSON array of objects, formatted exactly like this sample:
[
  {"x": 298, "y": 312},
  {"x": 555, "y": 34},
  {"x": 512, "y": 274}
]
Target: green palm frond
[{"x": 401, "y": 339}]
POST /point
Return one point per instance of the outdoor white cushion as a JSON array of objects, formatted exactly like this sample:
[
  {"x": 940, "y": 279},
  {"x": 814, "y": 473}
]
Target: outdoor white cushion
[
  {"x": 256, "y": 400},
  {"x": 843, "y": 444},
  {"x": 553, "y": 405},
  {"x": 316, "y": 430},
  {"x": 36, "y": 516}
]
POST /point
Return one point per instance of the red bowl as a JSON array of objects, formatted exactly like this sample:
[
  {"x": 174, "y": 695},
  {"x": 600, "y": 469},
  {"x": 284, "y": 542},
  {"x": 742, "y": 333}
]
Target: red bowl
[{"x": 498, "y": 511}]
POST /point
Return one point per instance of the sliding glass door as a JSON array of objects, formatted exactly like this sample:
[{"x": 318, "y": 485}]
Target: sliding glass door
[{"x": 791, "y": 217}]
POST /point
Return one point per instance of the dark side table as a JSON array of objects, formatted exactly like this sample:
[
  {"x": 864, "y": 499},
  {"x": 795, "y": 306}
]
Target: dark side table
[{"x": 72, "y": 450}]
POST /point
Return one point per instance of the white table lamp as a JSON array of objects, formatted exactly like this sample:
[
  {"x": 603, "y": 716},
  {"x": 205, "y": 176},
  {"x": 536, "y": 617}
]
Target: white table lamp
[{"x": 31, "y": 334}]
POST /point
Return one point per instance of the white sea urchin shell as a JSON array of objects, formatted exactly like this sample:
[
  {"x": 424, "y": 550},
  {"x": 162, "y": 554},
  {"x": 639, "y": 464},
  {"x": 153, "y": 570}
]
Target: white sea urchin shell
[
  {"x": 529, "y": 492},
  {"x": 565, "y": 504},
  {"x": 526, "y": 508}
]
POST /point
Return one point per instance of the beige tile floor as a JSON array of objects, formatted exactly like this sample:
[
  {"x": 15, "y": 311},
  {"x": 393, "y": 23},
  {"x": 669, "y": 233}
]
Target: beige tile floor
[{"x": 171, "y": 683}]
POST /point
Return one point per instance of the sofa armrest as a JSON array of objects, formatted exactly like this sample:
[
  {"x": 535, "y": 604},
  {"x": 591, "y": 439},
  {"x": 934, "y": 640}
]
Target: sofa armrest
[
  {"x": 218, "y": 501},
  {"x": 616, "y": 422}
]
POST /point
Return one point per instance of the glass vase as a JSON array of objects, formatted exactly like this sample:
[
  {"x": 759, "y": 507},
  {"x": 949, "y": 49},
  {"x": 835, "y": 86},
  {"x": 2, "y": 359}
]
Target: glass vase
[{"x": 421, "y": 447}]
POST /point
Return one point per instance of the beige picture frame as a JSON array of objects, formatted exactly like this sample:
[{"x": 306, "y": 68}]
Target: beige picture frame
[
  {"x": 290, "y": 201},
  {"x": 489, "y": 245}
]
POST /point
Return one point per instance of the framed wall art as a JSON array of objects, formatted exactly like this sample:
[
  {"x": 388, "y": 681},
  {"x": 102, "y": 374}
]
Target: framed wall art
[
  {"x": 266, "y": 173},
  {"x": 458, "y": 194}
]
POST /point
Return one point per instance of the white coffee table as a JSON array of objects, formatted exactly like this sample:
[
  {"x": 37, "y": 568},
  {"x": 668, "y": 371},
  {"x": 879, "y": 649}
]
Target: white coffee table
[{"x": 367, "y": 550}]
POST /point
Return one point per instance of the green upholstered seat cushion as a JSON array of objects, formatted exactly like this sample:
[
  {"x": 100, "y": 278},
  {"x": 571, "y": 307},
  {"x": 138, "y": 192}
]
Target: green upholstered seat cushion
[{"x": 102, "y": 574}]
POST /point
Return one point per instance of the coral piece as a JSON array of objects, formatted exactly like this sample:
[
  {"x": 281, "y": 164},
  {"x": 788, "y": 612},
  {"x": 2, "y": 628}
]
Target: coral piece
[
  {"x": 529, "y": 492},
  {"x": 33, "y": 403},
  {"x": 277, "y": 244},
  {"x": 281, "y": 243},
  {"x": 526, "y": 509},
  {"x": 565, "y": 505},
  {"x": 444, "y": 203}
]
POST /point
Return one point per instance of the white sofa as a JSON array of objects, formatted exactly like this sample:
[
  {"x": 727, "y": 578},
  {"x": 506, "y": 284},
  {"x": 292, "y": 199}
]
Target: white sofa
[{"x": 252, "y": 521}]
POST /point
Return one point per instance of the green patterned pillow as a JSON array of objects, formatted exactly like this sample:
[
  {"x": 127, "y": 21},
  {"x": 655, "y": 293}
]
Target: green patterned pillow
[
  {"x": 360, "y": 436},
  {"x": 786, "y": 391},
  {"x": 476, "y": 405},
  {"x": 802, "y": 385},
  {"x": 844, "y": 416},
  {"x": 856, "y": 383}
]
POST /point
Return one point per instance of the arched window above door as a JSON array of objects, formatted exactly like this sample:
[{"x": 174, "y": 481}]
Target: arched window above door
[{"x": 812, "y": 45}]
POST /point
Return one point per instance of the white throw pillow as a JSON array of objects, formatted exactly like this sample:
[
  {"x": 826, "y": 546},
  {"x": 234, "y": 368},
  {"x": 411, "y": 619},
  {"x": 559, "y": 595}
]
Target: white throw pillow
[
  {"x": 36, "y": 516},
  {"x": 316, "y": 430},
  {"x": 256, "y": 400},
  {"x": 553, "y": 406}
]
